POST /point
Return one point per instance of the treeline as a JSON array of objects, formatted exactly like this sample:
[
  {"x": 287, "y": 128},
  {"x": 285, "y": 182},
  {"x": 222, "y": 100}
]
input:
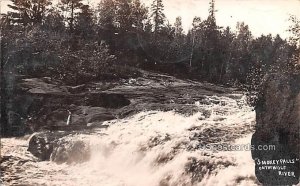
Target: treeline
[{"x": 76, "y": 42}]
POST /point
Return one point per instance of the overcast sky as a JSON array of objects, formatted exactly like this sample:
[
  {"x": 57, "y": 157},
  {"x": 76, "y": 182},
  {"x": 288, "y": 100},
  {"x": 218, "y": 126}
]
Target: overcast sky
[{"x": 262, "y": 16}]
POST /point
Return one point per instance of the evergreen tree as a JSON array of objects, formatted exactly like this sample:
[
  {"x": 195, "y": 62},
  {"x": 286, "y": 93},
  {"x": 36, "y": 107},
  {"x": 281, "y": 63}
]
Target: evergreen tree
[
  {"x": 123, "y": 15},
  {"x": 212, "y": 18},
  {"x": 178, "y": 27},
  {"x": 139, "y": 14},
  {"x": 195, "y": 41},
  {"x": 54, "y": 20},
  {"x": 85, "y": 23},
  {"x": 211, "y": 46},
  {"x": 241, "y": 54},
  {"x": 282, "y": 53},
  {"x": 295, "y": 38},
  {"x": 106, "y": 22},
  {"x": 148, "y": 26},
  {"x": 157, "y": 14},
  {"x": 226, "y": 42},
  {"x": 28, "y": 12},
  {"x": 196, "y": 23},
  {"x": 70, "y": 7}
]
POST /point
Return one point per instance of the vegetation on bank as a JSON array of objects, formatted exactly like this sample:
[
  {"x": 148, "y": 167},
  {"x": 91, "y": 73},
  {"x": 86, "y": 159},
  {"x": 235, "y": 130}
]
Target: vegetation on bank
[{"x": 76, "y": 42}]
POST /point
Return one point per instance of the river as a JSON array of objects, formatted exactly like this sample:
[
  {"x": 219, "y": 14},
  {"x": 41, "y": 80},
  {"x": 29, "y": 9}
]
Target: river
[{"x": 148, "y": 149}]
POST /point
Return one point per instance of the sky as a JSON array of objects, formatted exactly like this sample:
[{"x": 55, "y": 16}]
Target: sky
[{"x": 262, "y": 16}]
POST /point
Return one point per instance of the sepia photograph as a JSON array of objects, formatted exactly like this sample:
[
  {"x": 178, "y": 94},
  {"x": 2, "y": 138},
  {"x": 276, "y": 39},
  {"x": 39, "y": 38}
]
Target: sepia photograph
[{"x": 150, "y": 92}]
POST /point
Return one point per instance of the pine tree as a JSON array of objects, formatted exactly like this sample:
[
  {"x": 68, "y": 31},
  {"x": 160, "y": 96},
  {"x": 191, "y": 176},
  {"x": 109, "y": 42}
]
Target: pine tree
[
  {"x": 148, "y": 26},
  {"x": 107, "y": 14},
  {"x": 85, "y": 23},
  {"x": 123, "y": 15},
  {"x": 28, "y": 12},
  {"x": 70, "y": 7},
  {"x": 226, "y": 46},
  {"x": 241, "y": 52},
  {"x": 107, "y": 22},
  {"x": 178, "y": 27},
  {"x": 138, "y": 14},
  {"x": 211, "y": 45},
  {"x": 196, "y": 23},
  {"x": 295, "y": 39},
  {"x": 157, "y": 15},
  {"x": 54, "y": 20},
  {"x": 212, "y": 18}
]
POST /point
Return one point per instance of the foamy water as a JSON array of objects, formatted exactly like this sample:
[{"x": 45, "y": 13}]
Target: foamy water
[{"x": 154, "y": 148}]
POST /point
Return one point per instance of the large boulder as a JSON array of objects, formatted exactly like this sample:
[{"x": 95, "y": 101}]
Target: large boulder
[
  {"x": 59, "y": 147},
  {"x": 41, "y": 144},
  {"x": 278, "y": 126}
]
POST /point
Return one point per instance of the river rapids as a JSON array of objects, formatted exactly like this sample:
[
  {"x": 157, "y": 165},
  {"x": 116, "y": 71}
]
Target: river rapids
[{"x": 151, "y": 148}]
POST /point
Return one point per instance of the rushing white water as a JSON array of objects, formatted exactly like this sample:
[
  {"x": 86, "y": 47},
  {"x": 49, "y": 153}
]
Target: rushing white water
[{"x": 154, "y": 148}]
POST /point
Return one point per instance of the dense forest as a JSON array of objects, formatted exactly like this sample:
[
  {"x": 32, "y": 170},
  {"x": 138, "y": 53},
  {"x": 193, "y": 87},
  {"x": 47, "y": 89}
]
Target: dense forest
[{"x": 75, "y": 42}]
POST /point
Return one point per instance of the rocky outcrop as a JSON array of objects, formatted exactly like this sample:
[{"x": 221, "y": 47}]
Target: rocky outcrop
[
  {"x": 57, "y": 147},
  {"x": 41, "y": 144},
  {"x": 278, "y": 124},
  {"x": 51, "y": 102}
]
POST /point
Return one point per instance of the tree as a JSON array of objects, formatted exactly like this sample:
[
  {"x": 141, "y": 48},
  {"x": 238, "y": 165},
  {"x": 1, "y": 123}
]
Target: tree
[
  {"x": 178, "y": 27},
  {"x": 226, "y": 41},
  {"x": 282, "y": 54},
  {"x": 295, "y": 39},
  {"x": 195, "y": 37},
  {"x": 138, "y": 14},
  {"x": 106, "y": 17},
  {"x": 84, "y": 25},
  {"x": 70, "y": 7},
  {"x": 295, "y": 29},
  {"x": 148, "y": 26},
  {"x": 28, "y": 12},
  {"x": 241, "y": 53},
  {"x": 157, "y": 14},
  {"x": 54, "y": 20},
  {"x": 211, "y": 46},
  {"x": 211, "y": 18},
  {"x": 123, "y": 15},
  {"x": 106, "y": 22}
]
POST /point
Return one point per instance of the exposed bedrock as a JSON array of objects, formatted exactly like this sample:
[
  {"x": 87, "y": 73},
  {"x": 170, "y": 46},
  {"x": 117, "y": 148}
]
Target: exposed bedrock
[
  {"x": 278, "y": 123},
  {"x": 50, "y": 102}
]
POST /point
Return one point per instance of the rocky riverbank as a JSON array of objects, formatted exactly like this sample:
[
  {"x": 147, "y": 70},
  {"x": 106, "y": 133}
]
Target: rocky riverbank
[
  {"x": 48, "y": 104},
  {"x": 158, "y": 120},
  {"x": 278, "y": 124}
]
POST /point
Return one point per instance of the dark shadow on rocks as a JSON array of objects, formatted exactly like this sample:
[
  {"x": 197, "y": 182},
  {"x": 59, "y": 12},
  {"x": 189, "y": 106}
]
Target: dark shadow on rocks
[{"x": 278, "y": 125}]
